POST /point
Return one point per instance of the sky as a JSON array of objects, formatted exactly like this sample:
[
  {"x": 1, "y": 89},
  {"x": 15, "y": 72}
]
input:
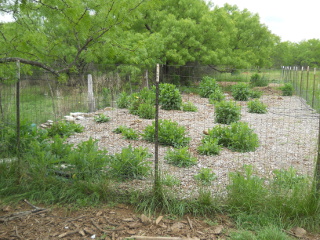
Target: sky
[{"x": 292, "y": 21}]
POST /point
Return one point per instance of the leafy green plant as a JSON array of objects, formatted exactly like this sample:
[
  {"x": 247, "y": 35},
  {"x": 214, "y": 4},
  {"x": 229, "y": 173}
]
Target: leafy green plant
[
  {"x": 87, "y": 160},
  {"x": 130, "y": 163},
  {"x": 205, "y": 176},
  {"x": 256, "y": 106},
  {"x": 216, "y": 96},
  {"x": 255, "y": 93},
  {"x": 256, "y": 80},
  {"x": 127, "y": 133},
  {"x": 189, "y": 107},
  {"x": 106, "y": 97},
  {"x": 169, "y": 97},
  {"x": 240, "y": 92},
  {"x": 101, "y": 118},
  {"x": 287, "y": 89},
  {"x": 146, "y": 111},
  {"x": 170, "y": 133},
  {"x": 237, "y": 137},
  {"x": 170, "y": 180},
  {"x": 123, "y": 100},
  {"x": 64, "y": 129},
  {"x": 227, "y": 112},
  {"x": 180, "y": 157},
  {"x": 209, "y": 146},
  {"x": 207, "y": 86}
]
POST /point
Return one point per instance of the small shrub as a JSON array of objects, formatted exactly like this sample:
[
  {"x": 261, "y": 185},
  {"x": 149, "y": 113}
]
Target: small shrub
[
  {"x": 135, "y": 102},
  {"x": 216, "y": 96},
  {"x": 169, "y": 97},
  {"x": 257, "y": 81},
  {"x": 227, "y": 112},
  {"x": 241, "y": 92},
  {"x": 123, "y": 100},
  {"x": 207, "y": 86},
  {"x": 106, "y": 97},
  {"x": 101, "y": 118},
  {"x": 189, "y": 107},
  {"x": 209, "y": 146},
  {"x": 242, "y": 138},
  {"x": 287, "y": 89},
  {"x": 64, "y": 129},
  {"x": 237, "y": 137},
  {"x": 130, "y": 163},
  {"x": 170, "y": 133},
  {"x": 255, "y": 106},
  {"x": 127, "y": 133},
  {"x": 180, "y": 157},
  {"x": 146, "y": 111},
  {"x": 205, "y": 176},
  {"x": 255, "y": 94}
]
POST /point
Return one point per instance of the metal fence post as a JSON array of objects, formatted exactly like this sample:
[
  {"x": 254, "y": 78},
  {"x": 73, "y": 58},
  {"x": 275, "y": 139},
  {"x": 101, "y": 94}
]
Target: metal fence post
[{"x": 18, "y": 113}]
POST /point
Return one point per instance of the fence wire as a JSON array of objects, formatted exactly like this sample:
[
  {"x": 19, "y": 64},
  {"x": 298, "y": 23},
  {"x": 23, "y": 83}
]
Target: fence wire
[{"x": 287, "y": 133}]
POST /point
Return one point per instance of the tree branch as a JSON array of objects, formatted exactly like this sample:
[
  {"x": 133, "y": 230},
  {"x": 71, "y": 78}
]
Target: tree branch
[{"x": 29, "y": 62}]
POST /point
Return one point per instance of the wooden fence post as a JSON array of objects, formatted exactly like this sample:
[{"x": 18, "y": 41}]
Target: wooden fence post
[{"x": 91, "y": 101}]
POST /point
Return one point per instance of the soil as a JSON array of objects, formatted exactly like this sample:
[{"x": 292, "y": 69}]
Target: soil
[{"x": 114, "y": 222}]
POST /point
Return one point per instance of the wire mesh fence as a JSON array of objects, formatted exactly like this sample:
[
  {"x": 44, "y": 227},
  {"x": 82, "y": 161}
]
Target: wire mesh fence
[{"x": 287, "y": 133}]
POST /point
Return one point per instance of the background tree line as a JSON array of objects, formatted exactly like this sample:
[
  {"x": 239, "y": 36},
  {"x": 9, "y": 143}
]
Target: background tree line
[{"x": 65, "y": 36}]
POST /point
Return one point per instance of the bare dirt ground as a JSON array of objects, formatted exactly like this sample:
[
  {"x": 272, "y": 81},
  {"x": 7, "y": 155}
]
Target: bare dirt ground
[
  {"x": 112, "y": 223},
  {"x": 281, "y": 145}
]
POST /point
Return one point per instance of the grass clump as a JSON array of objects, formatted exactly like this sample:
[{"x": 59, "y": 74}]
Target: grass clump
[
  {"x": 241, "y": 92},
  {"x": 130, "y": 163},
  {"x": 227, "y": 112},
  {"x": 170, "y": 180},
  {"x": 146, "y": 111},
  {"x": 207, "y": 86},
  {"x": 127, "y": 133},
  {"x": 205, "y": 176},
  {"x": 169, "y": 97},
  {"x": 180, "y": 157},
  {"x": 189, "y": 107},
  {"x": 169, "y": 134},
  {"x": 256, "y": 106},
  {"x": 101, "y": 118},
  {"x": 256, "y": 80},
  {"x": 287, "y": 89}
]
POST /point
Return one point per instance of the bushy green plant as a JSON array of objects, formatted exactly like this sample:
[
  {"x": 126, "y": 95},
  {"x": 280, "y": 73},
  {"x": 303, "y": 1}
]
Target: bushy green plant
[
  {"x": 130, "y": 163},
  {"x": 216, "y": 96},
  {"x": 127, "y": 133},
  {"x": 180, "y": 157},
  {"x": 287, "y": 89},
  {"x": 227, "y": 112},
  {"x": 189, "y": 107},
  {"x": 256, "y": 106},
  {"x": 64, "y": 129},
  {"x": 255, "y": 93},
  {"x": 123, "y": 100},
  {"x": 242, "y": 138},
  {"x": 207, "y": 86},
  {"x": 146, "y": 111},
  {"x": 256, "y": 80},
  {"x": 170, "y": 133},
  {"x": 101, "y": 118},
  {"x": 237, "y": 137},
  {"x": 87, "y": 160},
  {"x": 240, "y": 92},
  {"x": 205, "y": 176},
  {"x": 209, "y": 146},
  {"x": 106, "y": 97},
  {"x": 169, "y": 97}
]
